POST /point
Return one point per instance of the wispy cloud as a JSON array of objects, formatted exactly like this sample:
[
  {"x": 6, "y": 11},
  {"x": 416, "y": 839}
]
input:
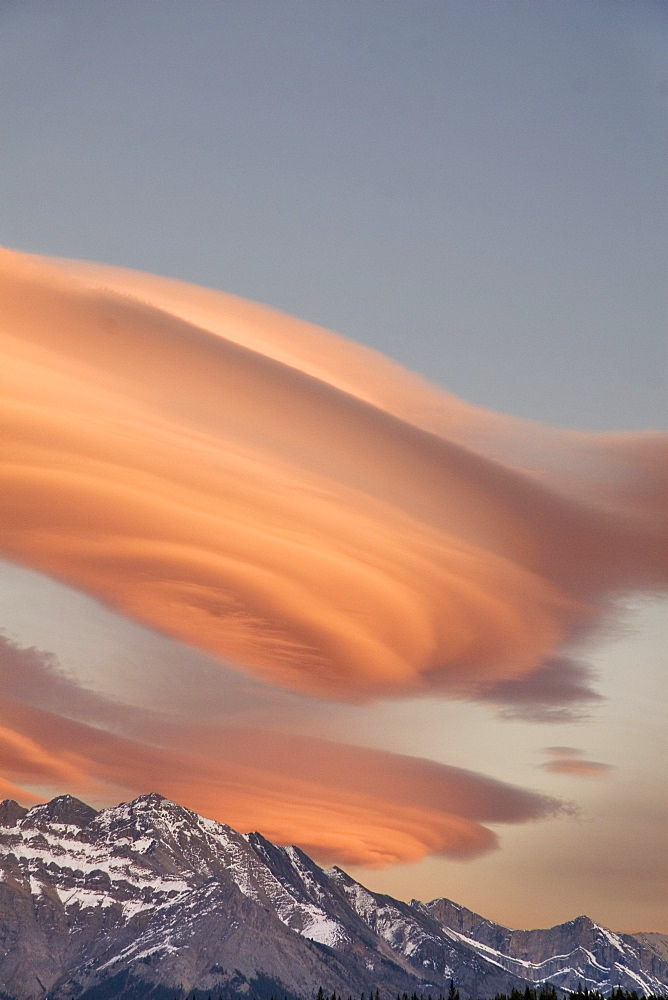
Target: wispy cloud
[{"x": 558, "y": 691}]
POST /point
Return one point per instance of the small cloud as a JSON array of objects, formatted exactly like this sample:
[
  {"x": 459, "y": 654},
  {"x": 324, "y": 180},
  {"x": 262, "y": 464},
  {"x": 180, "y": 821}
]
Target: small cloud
[{"x": 571, "y": 761}]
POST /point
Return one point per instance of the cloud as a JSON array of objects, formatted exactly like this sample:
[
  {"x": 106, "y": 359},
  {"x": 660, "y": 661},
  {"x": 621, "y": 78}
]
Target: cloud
[
  {"x": 347, "y": 804},
  {"x": 570, "y": 760},
  {"x": 8, "y": 790},
  {"x": 556, "y": 692},
  {"x": 36, "y": 677},
  {"x": 301, "y": 507}
]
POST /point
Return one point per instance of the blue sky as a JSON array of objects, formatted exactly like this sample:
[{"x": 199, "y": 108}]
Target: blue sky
[{"x": 476, "y": 189}]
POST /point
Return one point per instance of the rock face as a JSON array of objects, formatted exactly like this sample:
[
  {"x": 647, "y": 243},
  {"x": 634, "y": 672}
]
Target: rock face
[
  {"x": 578, "y": 952},
  {"x": 148, "y": 899}
]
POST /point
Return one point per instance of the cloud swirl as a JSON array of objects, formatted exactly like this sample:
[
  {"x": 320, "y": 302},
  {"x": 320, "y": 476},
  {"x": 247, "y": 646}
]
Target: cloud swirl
[{"x": 299, "y": 506}]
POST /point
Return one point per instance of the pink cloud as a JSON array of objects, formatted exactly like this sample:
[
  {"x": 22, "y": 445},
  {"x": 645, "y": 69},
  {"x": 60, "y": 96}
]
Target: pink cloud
[{"x": 571, "y": 761}]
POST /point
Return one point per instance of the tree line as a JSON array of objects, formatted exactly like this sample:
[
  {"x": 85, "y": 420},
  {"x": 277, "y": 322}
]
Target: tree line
[{"x": 545, "y": 992}]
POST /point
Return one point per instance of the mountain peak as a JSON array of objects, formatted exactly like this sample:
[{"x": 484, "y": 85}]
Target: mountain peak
[
  {"x": 11, "y": 812},
  {"x": 151, "y": 799},
  {"x": 64, "y": 810}
]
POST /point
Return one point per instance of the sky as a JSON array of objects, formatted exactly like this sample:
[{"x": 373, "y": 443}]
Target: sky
[{"x": 264, "y": 569}]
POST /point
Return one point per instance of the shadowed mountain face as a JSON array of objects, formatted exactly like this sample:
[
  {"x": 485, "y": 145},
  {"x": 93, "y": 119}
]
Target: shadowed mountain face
[{"x": 149, "y": 899}]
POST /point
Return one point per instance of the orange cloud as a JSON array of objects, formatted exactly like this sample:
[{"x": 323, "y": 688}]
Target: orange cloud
[
  {"x": 360, "y": 825},
  {"x": 8, "y": 790},
  {"x": 341, "y": 803},
  {"x": 26, "y": 758},
  {"x": 299, "y": 506}
]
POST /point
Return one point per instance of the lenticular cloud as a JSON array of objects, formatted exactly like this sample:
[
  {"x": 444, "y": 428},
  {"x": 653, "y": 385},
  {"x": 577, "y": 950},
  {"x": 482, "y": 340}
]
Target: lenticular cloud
[
  {"x": 348, "y": 804},
  {"x": 298, "y": 505}
]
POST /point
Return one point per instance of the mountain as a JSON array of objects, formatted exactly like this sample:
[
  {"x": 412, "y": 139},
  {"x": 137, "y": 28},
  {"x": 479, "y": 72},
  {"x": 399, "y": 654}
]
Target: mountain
[{"x": 148, "y": 899}]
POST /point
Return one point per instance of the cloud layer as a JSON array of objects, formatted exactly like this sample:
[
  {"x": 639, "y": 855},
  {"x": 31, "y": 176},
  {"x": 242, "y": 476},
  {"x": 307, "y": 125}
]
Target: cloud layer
[
  {"x": 342, "y": 803},
  {"x": 299, "y": 506}
]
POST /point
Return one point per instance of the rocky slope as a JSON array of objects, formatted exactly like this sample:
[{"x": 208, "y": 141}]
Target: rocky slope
[
  {"x": 579, "y": 951},
  {"x": 149, "y": 899}
]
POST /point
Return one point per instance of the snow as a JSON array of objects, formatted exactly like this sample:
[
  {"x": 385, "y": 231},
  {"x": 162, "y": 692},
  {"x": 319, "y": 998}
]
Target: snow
[
  {"x": 614, "y": 939},
  {"x": 325, "y": 931},
  {"x": 489, "y": 951},
  {"x": 128, "y": 832},
  {"x": 60, "y": 855},
  {"x": 594, "y": 962},
  {"x": 85, "y": 898},
  {"x": 131, "y": 952}
]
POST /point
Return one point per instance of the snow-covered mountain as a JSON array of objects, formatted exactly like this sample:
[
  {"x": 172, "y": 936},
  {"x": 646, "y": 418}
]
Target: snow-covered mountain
[{"x": 149, "y": 899}]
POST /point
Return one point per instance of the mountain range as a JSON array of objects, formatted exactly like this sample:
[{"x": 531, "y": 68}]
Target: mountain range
[{"x": 148, "y": 899}]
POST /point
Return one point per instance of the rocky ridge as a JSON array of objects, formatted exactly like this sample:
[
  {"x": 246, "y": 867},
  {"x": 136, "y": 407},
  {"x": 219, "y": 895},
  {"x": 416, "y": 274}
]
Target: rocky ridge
[{"x": 149, "y": 899}]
